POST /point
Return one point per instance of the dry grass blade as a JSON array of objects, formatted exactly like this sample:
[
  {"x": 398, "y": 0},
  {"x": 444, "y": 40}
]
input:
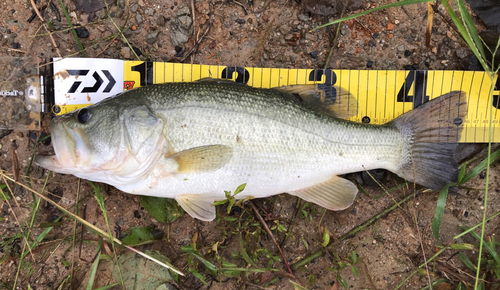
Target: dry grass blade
[
  {"x": 74, "y": 216},
  {"x": 45, "y": 26},
  {"x": 428, "y": 28}
]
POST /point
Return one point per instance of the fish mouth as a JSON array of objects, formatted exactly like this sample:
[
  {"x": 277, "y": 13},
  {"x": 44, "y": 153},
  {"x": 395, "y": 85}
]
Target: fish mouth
[{"x": 69, "y": 147}]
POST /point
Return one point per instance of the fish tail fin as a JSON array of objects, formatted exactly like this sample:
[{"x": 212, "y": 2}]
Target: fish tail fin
[{"x": 431, "y": 133}]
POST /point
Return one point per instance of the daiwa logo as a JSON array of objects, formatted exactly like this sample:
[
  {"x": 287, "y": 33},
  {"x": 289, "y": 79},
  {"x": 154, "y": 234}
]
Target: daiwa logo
[
  {"x": 13, "y": 93},
  {"x": 98, "y": 81}
]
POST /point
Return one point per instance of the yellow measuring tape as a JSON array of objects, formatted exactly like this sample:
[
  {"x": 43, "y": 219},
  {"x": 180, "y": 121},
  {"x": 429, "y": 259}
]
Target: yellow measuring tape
[{"x": 382, "y": 95}]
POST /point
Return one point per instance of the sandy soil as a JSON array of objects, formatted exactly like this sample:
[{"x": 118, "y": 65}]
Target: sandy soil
[{"x": 387, "y": 251}]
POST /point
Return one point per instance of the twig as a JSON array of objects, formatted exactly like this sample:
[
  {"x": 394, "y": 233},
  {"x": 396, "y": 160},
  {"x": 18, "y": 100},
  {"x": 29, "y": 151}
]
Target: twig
[
  {"x": 194, "y": 23},
  {"x": 195, "y": 47},
  {"x": 45, "y": 26},
  {"x": 242, "y": 6},
  {"x": 15, "y": 163},
  {"x": 274, "y": 240},
  {"x": 107, "y": 45}
]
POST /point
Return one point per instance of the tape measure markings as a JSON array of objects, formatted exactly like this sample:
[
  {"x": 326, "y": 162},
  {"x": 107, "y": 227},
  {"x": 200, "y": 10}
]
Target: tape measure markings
[{"x": 381, "y": 95}]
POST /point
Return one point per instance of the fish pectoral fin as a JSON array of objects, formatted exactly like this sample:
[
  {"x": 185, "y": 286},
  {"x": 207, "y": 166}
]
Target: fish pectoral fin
[
  {"x": 203, "y": 158},
  {"x": 336, "y": 193},
  {"x": 198, "y": 206}
]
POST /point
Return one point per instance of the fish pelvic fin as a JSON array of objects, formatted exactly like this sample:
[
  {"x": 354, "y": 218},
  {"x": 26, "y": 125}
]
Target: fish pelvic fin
[
  {"x": 202, "y": 159},
  {"x": 199, "y": 206},
  {"x": 431, "y": 133},
  {"x": 336, "y": 193}
]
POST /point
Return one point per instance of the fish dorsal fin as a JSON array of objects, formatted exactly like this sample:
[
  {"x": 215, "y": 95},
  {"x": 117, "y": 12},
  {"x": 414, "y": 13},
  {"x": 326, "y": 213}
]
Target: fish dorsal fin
[
  {"x": 203, "y": 158},
  {"x": 335, "y": 100},
  {"x": 199, "y": 206},
  {"x": 336, "y": 193}
]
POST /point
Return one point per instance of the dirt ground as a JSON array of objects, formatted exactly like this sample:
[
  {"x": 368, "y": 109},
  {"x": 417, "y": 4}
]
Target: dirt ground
[{"x": 261, "y": 34}]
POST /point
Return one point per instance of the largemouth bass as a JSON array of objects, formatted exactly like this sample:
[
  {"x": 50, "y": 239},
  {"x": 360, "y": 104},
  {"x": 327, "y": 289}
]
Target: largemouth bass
[{"x": 193, "y": 141}]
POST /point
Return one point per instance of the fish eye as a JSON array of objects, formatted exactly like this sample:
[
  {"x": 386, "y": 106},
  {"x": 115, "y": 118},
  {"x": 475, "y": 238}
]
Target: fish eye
[{"x": 84, "y": 115}]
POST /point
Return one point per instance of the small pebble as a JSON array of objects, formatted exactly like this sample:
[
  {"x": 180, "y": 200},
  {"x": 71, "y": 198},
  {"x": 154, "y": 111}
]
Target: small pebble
[
  {"x": 82, "y": 32},
  {"x": 375, "y": 35},
  {"x": 152, "y": 37},
  {"x": 314, "y": 54},
  {"x": 16, "y": 45},
  {"x": 139, "y": 19},
  {"x": 125, "y": 52},
  {"x": 137, "y": 51},
  {"x": 369, "y": 64},
  {"x": 240, "y": 21},
  {"x": 407, "y": 53},
  {"x": 160, "y": 20}
]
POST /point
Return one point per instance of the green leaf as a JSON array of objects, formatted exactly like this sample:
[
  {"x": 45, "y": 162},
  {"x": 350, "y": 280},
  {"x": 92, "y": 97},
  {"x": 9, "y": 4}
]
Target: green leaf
[
  {"x": 326, "y": 238},
  {"x": 141, "y": 235},
  {"x": 342, "y": 281},
  {"x": 470, "y": 27},
  {"x": 240, "y": 188},
  {"x": 219, "y": 202},
  {"x": 198, "y": 275},
  {"x": 93, "y": 269},
  {"x": 4, "y": 196},
  {"x": 461, "y": 173},
  {"x": 211, "y": 267},
  {"x": 297, "y": 286},
  {"x": 438, "y": 214},
  {"x": 243, "y": 252},
  {"x": 141, "y": 273},
  {"x": 466, "y": 261},
  {"x": 487, "y": 245},
  {"x": 164, "y": 210},
  {"x": 354, "y": 257},
  {"x": 462, "y": 246},
  {"x": 480, "y": 167}
]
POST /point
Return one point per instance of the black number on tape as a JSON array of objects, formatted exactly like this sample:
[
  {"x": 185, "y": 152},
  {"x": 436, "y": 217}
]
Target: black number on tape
[
  {"x": 417, "y": 78},
  {"x": 330, "y": 80},
  {"x": 97, "y": 78},
  {"x": 145, "y": 70},
  {"x": 243, "y": 74}
]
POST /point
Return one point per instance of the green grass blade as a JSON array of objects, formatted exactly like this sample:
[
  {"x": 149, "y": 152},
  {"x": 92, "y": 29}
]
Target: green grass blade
[
  {"x": 93, "y": 269},
  {"x": 470, "y": 26},
  {"x": 480, "y": 167},
  {"x": 396, "y": 4},
  {"x": 488, "y": 247},
  {"x": 80, "y": 46},
  {"x": 467, "y": 262},
  {"x": 465, "y": 34},
  {"x": 438, "y": 214},
  {"x": 476, "y": 226}
]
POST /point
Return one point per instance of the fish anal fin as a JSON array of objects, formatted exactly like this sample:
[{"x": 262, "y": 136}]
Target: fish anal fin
[
  {"x": 336, "y": 193},
  {"x": 202, "y": 159},
  {"x": 199, "y": 206},
  {"x": 334, "y": 100}
]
